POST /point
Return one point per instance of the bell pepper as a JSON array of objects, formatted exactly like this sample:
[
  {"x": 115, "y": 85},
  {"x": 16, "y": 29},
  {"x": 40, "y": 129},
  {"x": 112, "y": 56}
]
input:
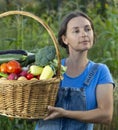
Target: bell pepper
[{"x": 47, "y": 73}]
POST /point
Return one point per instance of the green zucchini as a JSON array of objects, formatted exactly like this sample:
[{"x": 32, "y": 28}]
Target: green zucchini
[
  {"x": 8, "y": 57},
  {"x": 29, "y": 60}
]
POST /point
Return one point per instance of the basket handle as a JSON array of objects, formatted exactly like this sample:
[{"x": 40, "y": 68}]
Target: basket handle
[{"x": 46, "y": 27}]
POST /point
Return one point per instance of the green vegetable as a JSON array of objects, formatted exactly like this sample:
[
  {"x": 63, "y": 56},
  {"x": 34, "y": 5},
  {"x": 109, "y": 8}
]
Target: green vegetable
[
  {"x": 45, "y": 55},
  {"x": 54, "y": 65},
  {"x": 29, "y": 60},
  {"x": 3, "y": 75},
  {"x": 8, "y": 57}
]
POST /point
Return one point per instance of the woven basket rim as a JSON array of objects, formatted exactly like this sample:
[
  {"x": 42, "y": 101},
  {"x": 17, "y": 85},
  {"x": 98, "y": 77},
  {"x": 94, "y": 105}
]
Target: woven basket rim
[{"x": 47, "y": 81}]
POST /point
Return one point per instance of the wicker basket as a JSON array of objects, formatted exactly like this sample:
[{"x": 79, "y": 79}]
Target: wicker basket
[{"x": 29, "y": 99}]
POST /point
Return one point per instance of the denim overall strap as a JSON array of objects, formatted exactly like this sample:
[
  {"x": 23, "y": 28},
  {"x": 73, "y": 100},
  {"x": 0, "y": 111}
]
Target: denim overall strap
[
  {"x": 70, "y": 99},
  {"x": 91, "y": 74}
]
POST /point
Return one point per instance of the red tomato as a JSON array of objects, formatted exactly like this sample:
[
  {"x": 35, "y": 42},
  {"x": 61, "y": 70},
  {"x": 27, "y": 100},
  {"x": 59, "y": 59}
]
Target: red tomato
[
  {"x": 3, "y": 67},
  {"x": 29, "y": 76},
  {"x": 13, "y": 67}
]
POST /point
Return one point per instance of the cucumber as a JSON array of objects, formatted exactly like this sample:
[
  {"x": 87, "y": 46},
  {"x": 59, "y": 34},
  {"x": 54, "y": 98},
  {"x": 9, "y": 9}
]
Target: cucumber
[
  {"x": 8, "y": 57},
  {"x": 13, "y": 52}
]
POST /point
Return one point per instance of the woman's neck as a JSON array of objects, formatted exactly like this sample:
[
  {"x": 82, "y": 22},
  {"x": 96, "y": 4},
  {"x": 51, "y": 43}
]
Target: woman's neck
[
  {"x": 76, "y": 64},
  {"x": 79, "y": 59}
]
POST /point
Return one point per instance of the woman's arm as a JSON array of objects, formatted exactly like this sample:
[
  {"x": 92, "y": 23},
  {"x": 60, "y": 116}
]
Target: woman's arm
[{"x": 102, "y": 114}]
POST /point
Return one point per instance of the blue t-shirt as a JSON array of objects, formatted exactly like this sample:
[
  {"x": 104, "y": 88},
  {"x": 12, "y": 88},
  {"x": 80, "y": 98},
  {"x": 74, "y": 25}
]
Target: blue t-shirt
[{"x": 102, "y": 76}]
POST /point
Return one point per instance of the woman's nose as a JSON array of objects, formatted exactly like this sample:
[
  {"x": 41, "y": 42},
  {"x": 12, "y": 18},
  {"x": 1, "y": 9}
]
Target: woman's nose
[{"x": 83, "y": 33}]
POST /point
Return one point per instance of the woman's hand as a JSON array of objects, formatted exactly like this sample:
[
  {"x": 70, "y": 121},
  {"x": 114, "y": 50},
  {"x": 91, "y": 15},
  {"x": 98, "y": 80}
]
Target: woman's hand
[{"x": 55, "y": 112}]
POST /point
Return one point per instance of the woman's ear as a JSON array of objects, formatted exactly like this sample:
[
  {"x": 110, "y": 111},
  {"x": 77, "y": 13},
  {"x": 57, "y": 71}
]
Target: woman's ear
[{"x": 64, "y": 39}]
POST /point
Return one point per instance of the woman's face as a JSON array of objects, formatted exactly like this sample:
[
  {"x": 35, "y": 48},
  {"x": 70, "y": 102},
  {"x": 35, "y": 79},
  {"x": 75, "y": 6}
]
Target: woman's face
[{"x": 79, "y": 34}]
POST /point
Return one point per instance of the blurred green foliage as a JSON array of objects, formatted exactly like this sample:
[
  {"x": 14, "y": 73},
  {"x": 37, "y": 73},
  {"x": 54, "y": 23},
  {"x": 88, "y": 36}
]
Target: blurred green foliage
[
  {"x": 16, "y": 124},
  {"x": 106, "y": 47},
  {"x": 26, "y": 33}
]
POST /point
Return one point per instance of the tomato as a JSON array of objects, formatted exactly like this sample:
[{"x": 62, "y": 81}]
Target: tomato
[
  {"x": 3, "y": 67},
  {"x": 29, "y": 76},
  {"x": 13, "y": 67}
]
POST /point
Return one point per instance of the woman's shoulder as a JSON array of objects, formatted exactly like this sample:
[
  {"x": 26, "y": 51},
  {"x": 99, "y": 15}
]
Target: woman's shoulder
[
  {"x": 104, "y": 74},
  {"x": 101, "y": 66}
]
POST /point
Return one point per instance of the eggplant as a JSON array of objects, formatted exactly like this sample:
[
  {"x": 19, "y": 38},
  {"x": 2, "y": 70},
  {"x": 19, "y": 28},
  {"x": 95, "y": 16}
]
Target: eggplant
[{"x": 23, "y": 52}]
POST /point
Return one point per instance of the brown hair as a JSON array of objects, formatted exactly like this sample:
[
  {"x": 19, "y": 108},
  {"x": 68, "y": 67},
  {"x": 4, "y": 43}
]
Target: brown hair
[{"x": 63, "y": 27}]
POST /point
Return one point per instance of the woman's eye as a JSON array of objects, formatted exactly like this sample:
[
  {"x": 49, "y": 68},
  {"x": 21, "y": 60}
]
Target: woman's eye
[
  {"x": 76, "y": 31},
  {"x": 87, "y": 29}
]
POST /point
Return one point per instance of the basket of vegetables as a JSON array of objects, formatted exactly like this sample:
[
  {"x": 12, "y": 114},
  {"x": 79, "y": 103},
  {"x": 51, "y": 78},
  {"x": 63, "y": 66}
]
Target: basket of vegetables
[{"x": 25, "y": 92}]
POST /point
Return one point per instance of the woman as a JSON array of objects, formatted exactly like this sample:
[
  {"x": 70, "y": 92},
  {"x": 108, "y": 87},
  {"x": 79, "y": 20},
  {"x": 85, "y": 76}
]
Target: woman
[{"x": 86, "y": 92}]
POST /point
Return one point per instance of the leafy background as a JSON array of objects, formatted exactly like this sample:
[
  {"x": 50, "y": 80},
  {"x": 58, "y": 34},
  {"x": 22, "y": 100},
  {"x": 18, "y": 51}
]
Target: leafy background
[{"x": 25, "y": 33}]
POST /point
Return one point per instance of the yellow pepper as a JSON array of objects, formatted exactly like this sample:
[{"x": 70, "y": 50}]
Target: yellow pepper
[{"x": 47, "y": 73}]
